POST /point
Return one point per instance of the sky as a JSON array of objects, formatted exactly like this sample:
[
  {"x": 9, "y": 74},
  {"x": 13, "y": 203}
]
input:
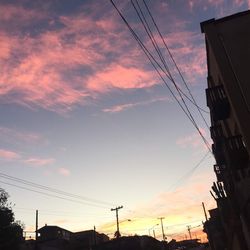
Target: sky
[{"x": 84, "y": 112}]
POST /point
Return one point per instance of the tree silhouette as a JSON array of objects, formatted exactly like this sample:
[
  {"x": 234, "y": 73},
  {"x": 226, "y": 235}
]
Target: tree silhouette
[{"x": 10, "y": 230}]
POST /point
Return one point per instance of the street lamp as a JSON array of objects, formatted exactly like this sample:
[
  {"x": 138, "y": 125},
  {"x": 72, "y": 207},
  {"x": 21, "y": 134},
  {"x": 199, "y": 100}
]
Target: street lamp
[{"x": 153, "y": 230}]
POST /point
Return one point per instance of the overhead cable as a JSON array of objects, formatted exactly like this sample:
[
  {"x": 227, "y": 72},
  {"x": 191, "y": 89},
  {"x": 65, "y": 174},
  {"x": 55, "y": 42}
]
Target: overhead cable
[
  {"x": 189, "y": 173},
  {"x": 176, "y": 65},
  {"x": 51, "y": 195},
  {"x": 153, "y": 62},
  {"x": 147, "y": 28},
  {"x": 53, "y": 190}
]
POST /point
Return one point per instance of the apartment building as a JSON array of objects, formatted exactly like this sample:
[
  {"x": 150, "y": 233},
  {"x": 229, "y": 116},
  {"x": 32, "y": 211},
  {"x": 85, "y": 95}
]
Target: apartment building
[{"x": 228, "y": 98}]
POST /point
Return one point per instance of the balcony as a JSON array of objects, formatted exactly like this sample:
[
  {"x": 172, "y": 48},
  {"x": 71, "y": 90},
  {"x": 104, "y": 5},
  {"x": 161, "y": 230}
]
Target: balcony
[
  {"x": 220, "y": 171},
  {"x": 218, "y": 103},
  {"x": 235, "y": 153},
  {"x": 216, "y": 133},
  {"x": 218, "y": 152}
]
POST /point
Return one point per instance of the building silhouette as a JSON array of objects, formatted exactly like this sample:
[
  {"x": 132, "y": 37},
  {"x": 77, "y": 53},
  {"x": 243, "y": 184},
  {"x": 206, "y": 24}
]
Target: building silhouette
[
  {"x": 228, "y": 98},
  {"x": 53, "y": 237}
]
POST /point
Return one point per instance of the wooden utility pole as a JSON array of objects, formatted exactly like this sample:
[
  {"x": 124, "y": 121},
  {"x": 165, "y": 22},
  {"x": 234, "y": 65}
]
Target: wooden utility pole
[
  {"x": 189, "y": 231},
  {"x": 36, "y": 235},
  {"x": 154, "y": 233},
  {"x": 94, "y": 236},
  {"x": 36, "y": 225},
  {"x": 162, "y": 229},
  {"x": 205, "y": 213},
  {"x": 117, "y": 234}
]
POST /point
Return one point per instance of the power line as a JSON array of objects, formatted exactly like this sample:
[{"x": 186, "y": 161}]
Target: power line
[
  {"x": 146, "y": 26},
  {"x": 51, "y": 195},
  {"x": 176, "y": 65},
  {"x": 54, "y": 190},
  {"x": 189, "y": 173},
  {"x": 63, "y": 214},
  {"x": 151, "y": 36},
  {"x": 153, "y": 61},
  {"x": 60, "y": 212}
]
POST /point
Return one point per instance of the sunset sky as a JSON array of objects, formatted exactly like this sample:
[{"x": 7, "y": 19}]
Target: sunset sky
[{"x": 83, "y": 111}]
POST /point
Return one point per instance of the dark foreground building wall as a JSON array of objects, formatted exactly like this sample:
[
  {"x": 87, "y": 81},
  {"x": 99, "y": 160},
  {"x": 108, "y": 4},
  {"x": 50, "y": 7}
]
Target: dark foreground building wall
[
  {"x": 132, "y": 243},
  {"x": 228, "y": 98}
]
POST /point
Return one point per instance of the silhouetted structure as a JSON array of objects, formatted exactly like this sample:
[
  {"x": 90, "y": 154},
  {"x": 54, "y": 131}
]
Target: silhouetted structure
[
  {"x": 215, "y": 230},
  {"x": 53, "y": 233},
  {"x": 228, "y": 98},
  {"x": 87, "y": 239},
  {"x": 131, "y": 243},
  {"x": 185, "y": 244},
  {"x": 54, "y": 237}
]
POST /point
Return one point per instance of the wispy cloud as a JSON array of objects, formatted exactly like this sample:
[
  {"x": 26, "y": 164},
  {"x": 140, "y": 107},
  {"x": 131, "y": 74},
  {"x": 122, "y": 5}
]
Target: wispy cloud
[
  {"x": 189, "y": 53},
  {"x": 19, "y": 137},
  {"x": 68, "y": 60},
  {"x": 117, "y": 76},
  {"x": 194, "y": 140},
  {"x": 122, "y": 107},
  {"x": 61, "y": 221},
  {"x": 63, "y": 171},
  {"x": 9, "y": 155},
  {"x": 45, "y": 70},
  {"x": 64, "y": 64},
  {"x": 39, "y": 161}
]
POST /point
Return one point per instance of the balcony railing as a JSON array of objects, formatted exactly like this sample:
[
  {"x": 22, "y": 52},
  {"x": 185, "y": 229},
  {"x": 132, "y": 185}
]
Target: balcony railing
[
  {"x": 218, "y": 103},
  {"x": 235, "y": 153},
  {"x": 218, "y": 152},
  {"x": 220, "y": 171},
  {"x": 216, "y": 132}
]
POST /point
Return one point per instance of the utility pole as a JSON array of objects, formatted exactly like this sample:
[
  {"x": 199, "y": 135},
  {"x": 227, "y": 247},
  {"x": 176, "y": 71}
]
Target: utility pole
[
  {"x": 154, "y": 233},
  {"x": 210, "y": 240},
  {"x": 36, "y": 225},
  {"x": 94, "y": 236},
  {"x": 36, "y": 246},
  {"x": 162, "y": 229},
  {"x": 205, "y": 213},
  {"x": 189, "y": 231},
  {"x": 117, "y": 233}
]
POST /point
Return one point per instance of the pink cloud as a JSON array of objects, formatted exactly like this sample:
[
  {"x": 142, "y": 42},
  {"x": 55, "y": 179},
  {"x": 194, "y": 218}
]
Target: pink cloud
[
  {"x": 64, "y": 171},
  {"x": 117, "y": 76},
  {"x": 10, "y": 12},
  {"x": 189, "y": 55},
  {"x": 37, "y": 75},
  {"x": 194, "y": 140},
  {"x": 122, "y": 107},
  {"x": 5, "y": 45},
  {"x": 185, "y": 201},
  {"x": 39, "y": 161},
  {"x": 36, "y": 72},
  {"x": 40, "y": 70},
  {"x": 9, "y": 155},
  {"x": 15, "y": 136}
]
